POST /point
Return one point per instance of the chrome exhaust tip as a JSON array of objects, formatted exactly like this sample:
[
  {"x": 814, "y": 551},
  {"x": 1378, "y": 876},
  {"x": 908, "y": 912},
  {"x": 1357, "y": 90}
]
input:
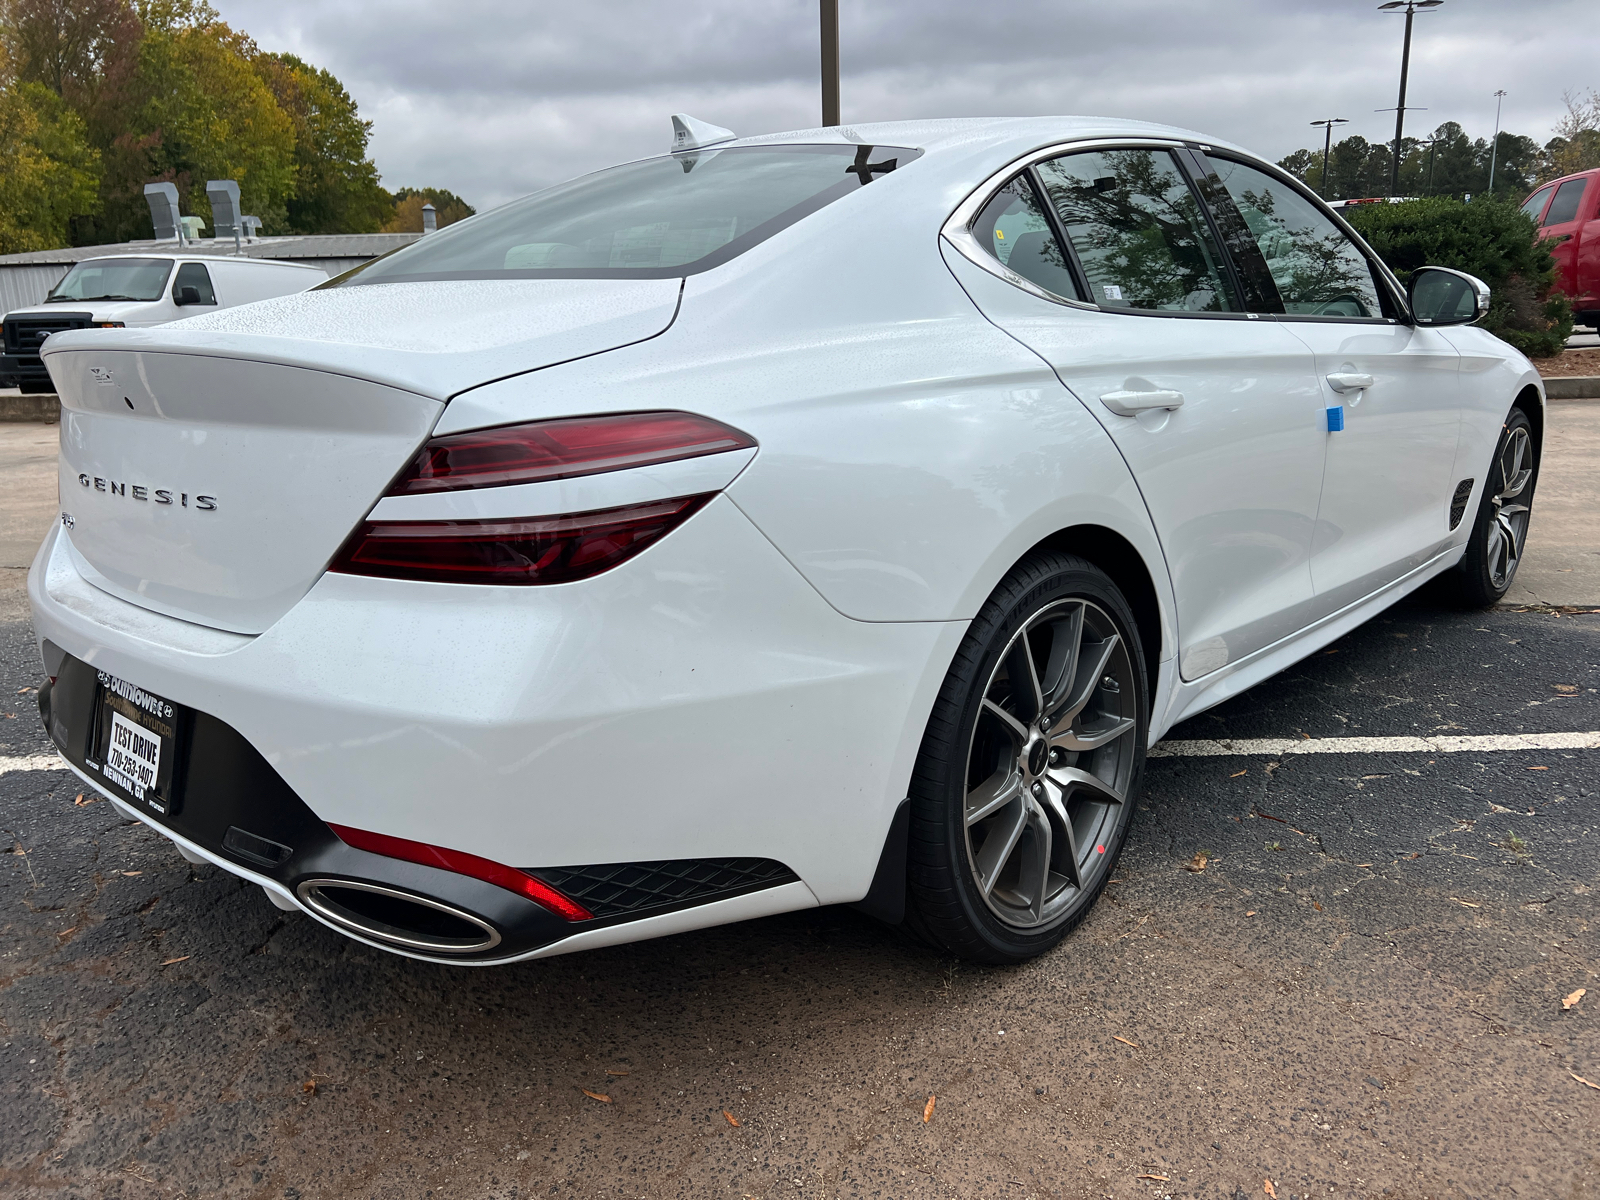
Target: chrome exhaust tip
[{"x": 398, "y": 918}]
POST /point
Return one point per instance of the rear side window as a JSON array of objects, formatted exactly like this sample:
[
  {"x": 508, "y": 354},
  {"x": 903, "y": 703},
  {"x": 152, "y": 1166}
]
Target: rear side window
[
  {"x": 196, "y": 276},
  {"x": 1318, "y": 270},
  {"x": 1534, "y": 204},
  {"x": 1564, "y": 207},
  {"x": 1014, "y": 228},
  {"x": 656, "y": 219},
  {"x": 1138, "y": 232}
]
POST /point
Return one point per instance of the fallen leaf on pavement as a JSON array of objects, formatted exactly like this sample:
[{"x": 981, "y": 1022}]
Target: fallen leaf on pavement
[
  {"x": 170, "y": 961},
  {"x": 1565, "y": 689},
  {"x": 1316, "y": 906},
  {"x": 309, "y": 1087},
  {"x": 600, "y": 1096},
  {"x": 732, "y": 1120},
  {"x": 1123, "y": 1040},
  {"x": 1572, "y": 1001},
  {"x": 1266, "y": 1186},
  {"x": 927, "y": 1110},
  {"x": 1163, "y": 1178},
  {"x": 1585, "y": 1082},
  {"x": 1251, "y": 913},
  {"x": 1235, "y": 775},
  {"x": 1197, "y": 863}
]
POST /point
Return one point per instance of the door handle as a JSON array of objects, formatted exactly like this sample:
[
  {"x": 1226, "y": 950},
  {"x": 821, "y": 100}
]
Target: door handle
[
  {"x": 1349, "y": 381},
  {"x": 1127, "y": 404}
]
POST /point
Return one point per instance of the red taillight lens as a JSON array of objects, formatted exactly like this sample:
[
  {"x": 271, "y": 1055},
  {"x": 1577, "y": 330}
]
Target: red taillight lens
[
  {"x": 532, "y": 551},
  {"x": 563, "y": 448},
  {"x": 463, "y": 863}
]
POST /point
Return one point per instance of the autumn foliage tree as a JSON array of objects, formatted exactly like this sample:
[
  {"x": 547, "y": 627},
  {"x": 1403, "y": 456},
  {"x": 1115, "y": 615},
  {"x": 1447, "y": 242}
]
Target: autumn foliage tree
[{"x": 100, "y": 97}]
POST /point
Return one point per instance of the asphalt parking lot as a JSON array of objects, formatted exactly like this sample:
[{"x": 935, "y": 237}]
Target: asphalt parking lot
[{"x": 1330, "y": 973}]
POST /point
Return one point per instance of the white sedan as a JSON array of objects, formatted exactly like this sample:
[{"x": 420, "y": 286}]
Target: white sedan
[{"x": 827, "y": 517}]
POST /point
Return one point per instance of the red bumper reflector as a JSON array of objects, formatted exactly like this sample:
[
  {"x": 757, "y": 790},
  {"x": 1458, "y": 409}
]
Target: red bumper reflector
[
  {"x": 534, "y": 550},
  {"x": 563, "y": 448},
  {"x": 463, "y": 863}
]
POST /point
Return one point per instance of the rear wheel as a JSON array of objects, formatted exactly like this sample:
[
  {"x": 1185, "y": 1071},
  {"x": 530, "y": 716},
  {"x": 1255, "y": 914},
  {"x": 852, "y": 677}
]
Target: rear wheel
[
  {"x": 1025, "y": 784},
  {"x": 1500, "y": 532}
]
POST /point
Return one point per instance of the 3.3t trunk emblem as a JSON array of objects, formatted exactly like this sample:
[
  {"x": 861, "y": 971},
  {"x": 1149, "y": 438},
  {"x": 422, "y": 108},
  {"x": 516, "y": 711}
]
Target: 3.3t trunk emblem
[{"x": 139, "y": 491}]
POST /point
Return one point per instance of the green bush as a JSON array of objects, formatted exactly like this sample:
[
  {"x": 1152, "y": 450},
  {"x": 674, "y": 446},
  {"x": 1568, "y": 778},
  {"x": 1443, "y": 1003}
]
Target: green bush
[{"x": 1487, "y": 238}]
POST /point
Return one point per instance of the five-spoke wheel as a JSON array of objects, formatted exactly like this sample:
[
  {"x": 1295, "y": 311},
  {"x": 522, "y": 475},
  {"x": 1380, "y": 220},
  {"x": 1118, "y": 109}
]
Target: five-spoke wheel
[
  {"x": 1025, "y": 783},
  {"x": 1500, "y": 529}
]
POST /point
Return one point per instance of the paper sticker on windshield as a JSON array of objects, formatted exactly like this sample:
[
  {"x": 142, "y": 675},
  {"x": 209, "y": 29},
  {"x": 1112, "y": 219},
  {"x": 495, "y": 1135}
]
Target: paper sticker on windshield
[{"x": 1112, "y": 291}]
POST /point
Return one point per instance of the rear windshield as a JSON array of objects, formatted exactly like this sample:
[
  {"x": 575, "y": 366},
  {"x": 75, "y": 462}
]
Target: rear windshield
[
  {"x": 113, "y": 279},
  {"x": 656, "y": 219}
]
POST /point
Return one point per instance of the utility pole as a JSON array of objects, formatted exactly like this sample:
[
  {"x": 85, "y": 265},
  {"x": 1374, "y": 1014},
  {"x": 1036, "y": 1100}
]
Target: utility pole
[
  {"x": 1494, "y": 146},
  {"x": 1327, "y": 147},
  {"x": 830, "y": 61},
  {"x": 1409, "y": 7},
  {"x": 1430, "y": 143}
]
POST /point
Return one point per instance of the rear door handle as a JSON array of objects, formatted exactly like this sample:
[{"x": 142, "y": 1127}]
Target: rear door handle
[
  {"x": 1127, "y": 404},
  {"x": 1349, "y": 381}
]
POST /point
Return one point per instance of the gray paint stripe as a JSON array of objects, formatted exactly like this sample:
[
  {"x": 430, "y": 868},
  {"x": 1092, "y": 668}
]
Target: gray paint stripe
[{"x": 1379, "y": 745}]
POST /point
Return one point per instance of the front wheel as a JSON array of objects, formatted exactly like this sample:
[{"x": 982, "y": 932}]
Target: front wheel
[
  {"x": 1025, "y": 784},
  {"x": 1500, "y": 531}
]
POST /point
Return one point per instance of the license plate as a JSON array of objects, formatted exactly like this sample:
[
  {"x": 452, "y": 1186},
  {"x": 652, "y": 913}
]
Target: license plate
[{"x": 134, "y": 741}]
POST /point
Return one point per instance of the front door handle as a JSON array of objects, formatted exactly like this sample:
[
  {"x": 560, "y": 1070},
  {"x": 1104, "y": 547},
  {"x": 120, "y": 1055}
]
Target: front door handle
[
  {"x": 1349, "y": 381},
  {"x": 1128, "y": 404}
]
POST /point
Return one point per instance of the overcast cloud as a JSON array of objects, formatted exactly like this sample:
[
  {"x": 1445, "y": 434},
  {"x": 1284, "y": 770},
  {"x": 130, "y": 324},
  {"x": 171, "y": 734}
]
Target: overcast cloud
[{"x": 493, "y": 100}]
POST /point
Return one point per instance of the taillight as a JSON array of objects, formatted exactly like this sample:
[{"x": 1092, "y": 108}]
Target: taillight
[
  {"x": 563, "y": 448},
  {"x": 463, "y": 863},
  {"x": 531, "y": 551}
]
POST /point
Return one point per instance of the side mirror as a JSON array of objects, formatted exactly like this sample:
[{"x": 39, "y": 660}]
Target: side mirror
[
  {"x": 188, "y": 295},
  {"x": 1440, "y": 296}
]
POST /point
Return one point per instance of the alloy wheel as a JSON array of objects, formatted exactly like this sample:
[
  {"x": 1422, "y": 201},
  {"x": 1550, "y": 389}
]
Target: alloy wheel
[
  {"x": 1508, "y": 529},
  {"x": 1050, "y": 763}
]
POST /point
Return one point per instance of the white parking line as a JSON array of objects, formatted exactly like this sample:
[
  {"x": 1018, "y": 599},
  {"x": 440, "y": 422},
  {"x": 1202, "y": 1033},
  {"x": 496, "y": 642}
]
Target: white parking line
[
  {"x": 32, "y": 762},
  {"x": 1380, "y": 745}
]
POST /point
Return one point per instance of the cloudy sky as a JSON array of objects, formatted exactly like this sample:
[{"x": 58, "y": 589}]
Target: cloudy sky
[{"x": 494, "y": 99}]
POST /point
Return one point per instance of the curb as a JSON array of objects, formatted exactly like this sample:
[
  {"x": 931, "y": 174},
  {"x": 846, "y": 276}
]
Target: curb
[
  {"x": 1572, "y": 387},
  {"x": 46, "y": 408}
]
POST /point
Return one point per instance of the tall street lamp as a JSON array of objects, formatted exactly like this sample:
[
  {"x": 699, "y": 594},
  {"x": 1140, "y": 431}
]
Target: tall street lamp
[
  {"x": 830, "y": 61},
  {"x": 1494, "y": 146},
  {"x": 1410, "y": 8},
  {"x": 1327, "y": 146}
]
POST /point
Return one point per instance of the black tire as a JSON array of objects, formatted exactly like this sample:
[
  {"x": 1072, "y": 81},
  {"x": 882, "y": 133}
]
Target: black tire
[
  {"x": 1481, "y": 579},
  {"x": 1042, "y": 882}
]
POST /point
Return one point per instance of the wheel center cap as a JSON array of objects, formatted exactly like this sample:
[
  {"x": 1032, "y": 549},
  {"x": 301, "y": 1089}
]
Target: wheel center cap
[{"x": 1038, "y": 753}]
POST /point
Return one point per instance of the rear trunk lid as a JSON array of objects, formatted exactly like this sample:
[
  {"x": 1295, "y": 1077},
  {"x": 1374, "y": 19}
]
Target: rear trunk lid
[{"x": 211, "y": 468}]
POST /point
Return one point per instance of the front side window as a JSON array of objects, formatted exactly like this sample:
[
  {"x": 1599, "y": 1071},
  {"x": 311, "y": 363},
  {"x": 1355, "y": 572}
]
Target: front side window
[
  {"x": 1014, "y": 228},
  {"x": 1564, "y": 207},
  {"x": 113, "y": 279},
  {"x": 656, "y": 219},
  {"x": 1138, "y": 231},
  {"x": 194, "y": 275},
  {"x": 1534, "y": 204},
  {"x": 1317, "y": 269}
]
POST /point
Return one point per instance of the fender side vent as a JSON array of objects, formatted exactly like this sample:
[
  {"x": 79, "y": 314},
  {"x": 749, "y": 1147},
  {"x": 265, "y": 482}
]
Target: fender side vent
[
  {"x": 629, "y": 889},
  {"x": 1458, "y": 502}
]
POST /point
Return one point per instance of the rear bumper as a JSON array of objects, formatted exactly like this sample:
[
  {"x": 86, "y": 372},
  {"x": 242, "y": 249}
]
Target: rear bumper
[{"x": 700, "y": 702}]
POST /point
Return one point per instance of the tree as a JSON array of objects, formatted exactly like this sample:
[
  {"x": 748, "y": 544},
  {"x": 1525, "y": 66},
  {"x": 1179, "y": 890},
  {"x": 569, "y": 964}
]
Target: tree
[
  {"x": 66, "y": 44},
  {"x": 448, "y": 208},
  {"x": 49, "y": 173},
  {"x": 336, "y": 186},
  {"x": 1576, "y": 146}
]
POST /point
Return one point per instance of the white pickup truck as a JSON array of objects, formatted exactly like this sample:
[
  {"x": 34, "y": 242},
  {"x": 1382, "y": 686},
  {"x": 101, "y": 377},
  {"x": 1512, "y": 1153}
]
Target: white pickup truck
[{"x": 135, "y": 290}]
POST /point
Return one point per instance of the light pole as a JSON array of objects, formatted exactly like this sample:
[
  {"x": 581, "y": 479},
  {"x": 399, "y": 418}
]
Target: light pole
[
  {"x": 830, "y": 61},
  {"x": 1410, "y": 8},
  {"x": 1494, "y": 146},
  {"x": 1327, "y": 146},
  {"x": 1430, "y": 143}
]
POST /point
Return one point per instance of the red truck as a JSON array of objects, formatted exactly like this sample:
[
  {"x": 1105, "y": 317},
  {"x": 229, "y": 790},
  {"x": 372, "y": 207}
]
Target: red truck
[{"x": 1566, "y": 212}]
